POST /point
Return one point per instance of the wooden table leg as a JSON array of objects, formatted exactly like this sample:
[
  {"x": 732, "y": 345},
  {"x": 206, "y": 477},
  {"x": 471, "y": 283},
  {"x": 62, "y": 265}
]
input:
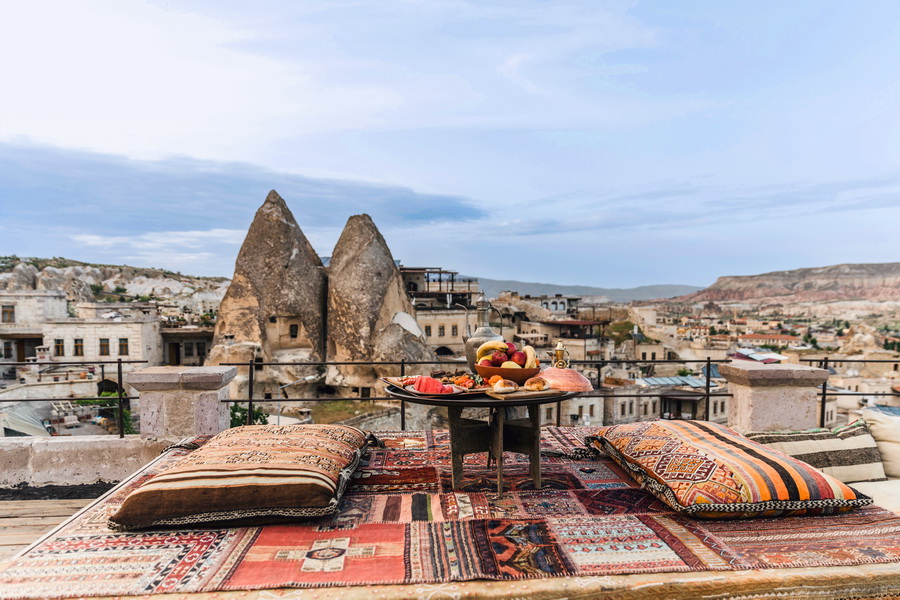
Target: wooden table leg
[
  {"x": 534, "y": 456},
  {"x": 497, "y": 444},
  {"x": 456, "y": 456}
]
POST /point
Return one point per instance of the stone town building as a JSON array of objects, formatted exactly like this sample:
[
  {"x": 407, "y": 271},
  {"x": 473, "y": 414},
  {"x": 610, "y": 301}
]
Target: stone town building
[
  {"x": 104, "y": 339},
  {"x": 22, "y": 315}
]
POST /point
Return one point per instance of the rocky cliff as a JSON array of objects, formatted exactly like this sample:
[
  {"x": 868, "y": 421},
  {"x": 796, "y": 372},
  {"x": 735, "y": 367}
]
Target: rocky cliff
[
  {"x": 274, "y": 308},
  {"x": 370, "y": 317},
  {"x": 84, "y": 282},
  {"x": 873, "y": 282}
]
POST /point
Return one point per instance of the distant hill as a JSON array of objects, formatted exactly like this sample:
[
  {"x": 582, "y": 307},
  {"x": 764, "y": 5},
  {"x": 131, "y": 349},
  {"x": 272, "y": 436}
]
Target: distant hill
[
  {"x": 89, "y": 282},
  {"x": 878, "y": 282},
  {"x": 492, "y": 287}
]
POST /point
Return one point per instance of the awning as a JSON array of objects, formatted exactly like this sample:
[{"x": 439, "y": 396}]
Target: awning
[{"x": 21, "y": 418}]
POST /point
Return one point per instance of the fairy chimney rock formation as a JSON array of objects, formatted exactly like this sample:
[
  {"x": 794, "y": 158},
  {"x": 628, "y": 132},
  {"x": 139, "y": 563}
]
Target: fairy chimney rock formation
[
  {"x": 370, "y": 316},
  {"x": 274, "y": 308}
]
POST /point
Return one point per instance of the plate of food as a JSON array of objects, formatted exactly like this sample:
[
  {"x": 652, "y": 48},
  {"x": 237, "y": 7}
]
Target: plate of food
[{"x": 461, "y": 383}]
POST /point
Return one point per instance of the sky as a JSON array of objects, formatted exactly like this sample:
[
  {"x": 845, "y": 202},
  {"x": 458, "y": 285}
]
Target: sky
[{"x": 602, "y": 143}]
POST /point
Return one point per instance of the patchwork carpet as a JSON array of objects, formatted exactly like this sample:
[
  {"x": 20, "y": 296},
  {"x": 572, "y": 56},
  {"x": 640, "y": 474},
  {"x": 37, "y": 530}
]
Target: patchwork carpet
[{"x": 400, "y": 522}]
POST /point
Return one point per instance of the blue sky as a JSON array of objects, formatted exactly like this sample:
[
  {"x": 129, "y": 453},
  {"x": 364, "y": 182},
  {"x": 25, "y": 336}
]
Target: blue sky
[{"x": 596, "y": 143}]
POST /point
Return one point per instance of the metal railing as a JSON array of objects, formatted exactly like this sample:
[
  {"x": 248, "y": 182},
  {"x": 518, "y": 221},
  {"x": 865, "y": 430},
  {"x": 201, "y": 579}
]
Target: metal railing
[
  {"x": 824, "y": 364},
  {"x": 598, "y": 392},
  {"x": 120, "y": 396}
]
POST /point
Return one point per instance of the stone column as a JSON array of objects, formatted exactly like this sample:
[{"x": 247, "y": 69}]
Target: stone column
[
  {"x": 773, "y": 397},
  {"x": 179, "y": 402}
]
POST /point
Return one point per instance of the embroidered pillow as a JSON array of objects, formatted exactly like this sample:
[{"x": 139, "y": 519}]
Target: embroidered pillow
[
  {"x": 707, "y": 470},
  {"x": 251, "y": 474},
  {"x": 847, "y": 453}
]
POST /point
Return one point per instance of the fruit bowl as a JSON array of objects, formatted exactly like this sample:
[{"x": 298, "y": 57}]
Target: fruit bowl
[{"x": 520, "y": 376}]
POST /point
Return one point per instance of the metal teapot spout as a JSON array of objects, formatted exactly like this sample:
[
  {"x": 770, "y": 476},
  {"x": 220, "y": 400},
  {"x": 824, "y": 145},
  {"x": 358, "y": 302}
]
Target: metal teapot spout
[{"x": 468, "y": 332}]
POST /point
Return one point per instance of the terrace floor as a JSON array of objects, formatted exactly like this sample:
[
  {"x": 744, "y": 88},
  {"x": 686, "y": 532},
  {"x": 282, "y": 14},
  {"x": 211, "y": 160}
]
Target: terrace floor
[{"x": 24, "y": 521}]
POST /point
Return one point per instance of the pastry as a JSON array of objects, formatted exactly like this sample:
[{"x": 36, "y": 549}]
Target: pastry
[
  {"x": 537, "y": 384},
  {"x": 505, "y": 386}
]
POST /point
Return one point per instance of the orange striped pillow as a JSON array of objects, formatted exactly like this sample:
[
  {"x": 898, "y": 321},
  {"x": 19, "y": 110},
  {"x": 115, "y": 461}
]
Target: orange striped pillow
[
  {"x": 707, "y": 470},
  {"x": 251, "y": 474}
]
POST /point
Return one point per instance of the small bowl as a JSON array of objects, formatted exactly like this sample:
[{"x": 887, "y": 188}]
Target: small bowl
[{"x": 520, "y": 376}]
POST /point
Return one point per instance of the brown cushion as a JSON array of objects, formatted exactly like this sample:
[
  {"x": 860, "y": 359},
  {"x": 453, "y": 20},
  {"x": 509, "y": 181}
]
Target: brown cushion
[{"x": 256, "y": 473}]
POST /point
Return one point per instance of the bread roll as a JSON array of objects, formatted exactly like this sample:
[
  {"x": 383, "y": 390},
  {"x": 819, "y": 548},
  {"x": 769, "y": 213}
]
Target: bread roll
[
  {"x": 505, "y": 386},
  {"x": 537, "y": 384},
  {"x": 566, "y": 380}
]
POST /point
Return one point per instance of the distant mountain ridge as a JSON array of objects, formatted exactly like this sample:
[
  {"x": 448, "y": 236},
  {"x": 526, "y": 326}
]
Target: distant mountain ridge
[
  {"x": 492, "y": 287},
  {"x": 876, "y": 281}
]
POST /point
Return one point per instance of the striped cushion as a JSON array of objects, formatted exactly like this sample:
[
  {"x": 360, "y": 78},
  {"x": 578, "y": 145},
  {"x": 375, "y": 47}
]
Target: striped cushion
[
  {"x": 251, "y": 474},
  {"x": 847, "y": 453},
  {"x": 707, "y": 470}
]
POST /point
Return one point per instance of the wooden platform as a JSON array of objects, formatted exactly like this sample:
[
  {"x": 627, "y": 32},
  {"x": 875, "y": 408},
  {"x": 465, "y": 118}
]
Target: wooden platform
[{"x": 24, "y": 521}]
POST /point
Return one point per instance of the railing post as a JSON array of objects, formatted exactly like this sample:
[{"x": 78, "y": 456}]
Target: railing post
[
  {"x": 402, "y": 401},
  {"x": 708, "y": 374},
  {"x": 824, "y": 395},
  {"x": 251, "y": 368},
  {"x": 121, "y": 418}
]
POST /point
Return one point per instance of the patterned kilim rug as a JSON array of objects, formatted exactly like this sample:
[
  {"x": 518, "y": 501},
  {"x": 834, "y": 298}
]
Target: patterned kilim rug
[{"x": 400, "y": 522}]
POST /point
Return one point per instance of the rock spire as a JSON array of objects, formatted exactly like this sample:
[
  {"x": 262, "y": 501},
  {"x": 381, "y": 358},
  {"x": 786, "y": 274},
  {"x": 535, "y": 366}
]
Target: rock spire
[
  {"x": 370, "y": 316},
  {"x": 274, "y": 307}
]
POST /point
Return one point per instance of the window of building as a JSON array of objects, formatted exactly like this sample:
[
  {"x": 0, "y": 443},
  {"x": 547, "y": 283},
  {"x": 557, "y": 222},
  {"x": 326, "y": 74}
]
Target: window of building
[
  {"x": 8, "y": 314},
  {"x": 715, "y": 407},
  {"x": 643, "y": 356},
  {"x": 189, "y": 349},
  {"x": 295, "y": 330},
  {"x": 78, "y": 348},
  {"x": 104, "y": 346},
  {"x": 654, "y": 407},
  {"x": 548, "y": 414},
  {"x": 201, "y": 349},
  {"x": 123, "y": 346},
  {"x": 454, "y": 331},
  {"x": 59, "y": 347},
  {"x": 580, "y": 411},
  {"x": 440, "y": 331},
  {"x": 653, "y": 356},
  {"x": 7, "y": 349},
  {"x": 591, "y": 410},
  {"x": 622, "y": 409},
  {"x": 645, "y": 410},
  {"x": 428, "y": 331}
]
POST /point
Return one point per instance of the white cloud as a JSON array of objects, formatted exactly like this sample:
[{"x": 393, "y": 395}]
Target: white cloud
[{"x": 158, "y": 240}]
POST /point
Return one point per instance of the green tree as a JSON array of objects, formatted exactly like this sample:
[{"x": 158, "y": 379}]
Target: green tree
[
  {"x": 239, "y": 415},
  {"x": 120, "y": 290},
  {"x": 685, "y": 372},
  {"x": 712, "y": 330},
  {"x": 96, "y": 288}
]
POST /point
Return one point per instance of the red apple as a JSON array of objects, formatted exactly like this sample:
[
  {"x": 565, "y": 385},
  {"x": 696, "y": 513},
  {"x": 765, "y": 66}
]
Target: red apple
[
  {"x": 510, "y": 348},
  {"x": 519, "y": 358},
  {"x": 486, "y": 362},
  {"x": 498, "y": 358}
]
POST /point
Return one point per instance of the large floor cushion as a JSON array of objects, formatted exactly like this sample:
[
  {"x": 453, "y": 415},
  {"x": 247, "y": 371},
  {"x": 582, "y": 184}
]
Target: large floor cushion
[
  {"x": 707, "y": 470},
  {"x": 848, "y": 453},
  {"x": 251, "y": 474}
]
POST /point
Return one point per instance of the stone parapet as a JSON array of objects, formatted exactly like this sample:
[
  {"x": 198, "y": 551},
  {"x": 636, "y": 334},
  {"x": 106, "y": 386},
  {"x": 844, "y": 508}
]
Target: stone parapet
[
  {"x": 66, "y": 460},
  {"x": 773, "y": 397},
  {"x": 179, "y": 402},
  {"x": 755, "y": 374}
]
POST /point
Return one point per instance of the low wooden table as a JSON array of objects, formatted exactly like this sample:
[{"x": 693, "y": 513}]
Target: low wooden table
[{"x": 493, "y": 436}]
